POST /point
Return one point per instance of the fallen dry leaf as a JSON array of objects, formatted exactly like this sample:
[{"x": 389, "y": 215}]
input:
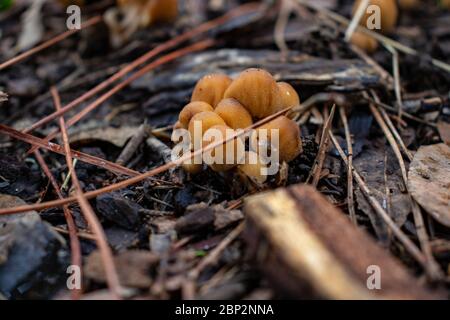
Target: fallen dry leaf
[{"x": 429, "y": 181}]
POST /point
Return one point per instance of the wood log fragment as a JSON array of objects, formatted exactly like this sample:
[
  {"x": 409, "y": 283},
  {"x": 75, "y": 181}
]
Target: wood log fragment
[{"x": 308, "y": 248}]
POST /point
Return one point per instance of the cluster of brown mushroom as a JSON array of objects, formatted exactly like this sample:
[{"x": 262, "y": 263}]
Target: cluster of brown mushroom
[{"x": 220, "y": 103}]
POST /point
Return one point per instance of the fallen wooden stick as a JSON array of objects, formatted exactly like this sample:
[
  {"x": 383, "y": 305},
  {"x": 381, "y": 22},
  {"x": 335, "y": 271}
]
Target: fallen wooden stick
[{"x": 308, "y": 248}]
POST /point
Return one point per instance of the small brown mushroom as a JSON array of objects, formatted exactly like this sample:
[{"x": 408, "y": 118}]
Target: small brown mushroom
[
  {"x": 206, "y": 120},
  {"x": 257, "y": 91},
  {"x": 234, "y": 114},
  {"x": 228, "y": 153},
  {"x": 289, "y": 97},
  {"x": 211, "y": 88},
  {"x": 389, "y": 14},
  {"x": 191, "y": 110},
  {"x": 364, "y": 42},
  {"x": 289, "y": 144},
  {"x": 251, "y": 169}
]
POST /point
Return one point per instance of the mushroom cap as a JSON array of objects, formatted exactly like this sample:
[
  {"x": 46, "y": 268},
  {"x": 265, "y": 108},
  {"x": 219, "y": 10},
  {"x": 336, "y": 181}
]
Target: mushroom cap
[
  {"x": 191, "y": 110},
  {"x": 225, "y": 133},
  {"x": 288, "y": 96},
  {"x": 290, "y": 142},
  {"x": 257, "y": 91},
  {"x": 206, "y": 119},
  {"x": 234, "y": 114},
  {"x": 211, "y": 88},
  {"x": 364, "y": 42},
  {"x": 253, "y": 170},
  {"x": 389, "y": 14}
]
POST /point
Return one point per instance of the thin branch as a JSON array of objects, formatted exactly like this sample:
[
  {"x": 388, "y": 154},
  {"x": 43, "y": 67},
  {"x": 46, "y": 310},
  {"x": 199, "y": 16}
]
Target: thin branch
[
  {"x": 397, "y": 85},
  {"x": 401, "y": 236},
  {"x": 112, "y": 277},
  {"x": 53, "y": 147},
  {"x": 280, "y": 27},
  {"x": 317, "y": 170},
  {"x": 75, "y": 247},
  {"x": 431, "y": 266},
  {"x": 348, "y": 139},
  {"x": 49, "y": 43},
  {"x": 405, "y": 114},
  {"x": 360, "y": 11},
  {"x": 189, "y": 287},
  {"x": 392, "y": 128}
]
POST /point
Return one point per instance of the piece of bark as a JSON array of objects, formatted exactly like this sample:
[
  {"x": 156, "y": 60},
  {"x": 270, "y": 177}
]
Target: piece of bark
[
  {"x": 429, "y": 180},
  {"x": 308, "y": 248}
]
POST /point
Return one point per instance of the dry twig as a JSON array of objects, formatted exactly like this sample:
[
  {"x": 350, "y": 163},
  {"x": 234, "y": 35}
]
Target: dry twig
[
  {"x": 75, "y": 247},
  {"x": 112, "y": 277},
  {"x": 348, "y": 139}
]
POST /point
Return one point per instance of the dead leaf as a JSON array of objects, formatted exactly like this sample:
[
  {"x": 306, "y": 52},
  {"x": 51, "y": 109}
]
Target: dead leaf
[
  {"x": 133, "y": 267},
  {"x": 371, "y": 165},
  {"x": 429, "y": 181},
  {"x": 116, "y": 136}
]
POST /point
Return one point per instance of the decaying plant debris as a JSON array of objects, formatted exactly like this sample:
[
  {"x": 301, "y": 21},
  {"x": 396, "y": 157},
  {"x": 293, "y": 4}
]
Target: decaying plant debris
[{"x": 374, "y": 130}]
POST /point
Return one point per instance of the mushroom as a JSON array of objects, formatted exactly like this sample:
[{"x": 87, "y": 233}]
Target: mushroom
[
  {"x": 288, "y": 95},
  {"x": 234, "y": 114},
  {"x": 253, "y": 168},
  {"x": 228, "y": 153},
  {"x": 289, "y": 144},
  {"x": 364, "y": 42},
  {"x": 163, "y": 10},
  {"x": 211, "y": 88},
  {"x": 388, "y": 10},
  {"x": 288, "y": 98},
  {"x": 205, "y": 120},
  {"x": 153, "y": 10},
  {"x": 257, "y": 91},
  {"x": 191, "y": 110}
]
